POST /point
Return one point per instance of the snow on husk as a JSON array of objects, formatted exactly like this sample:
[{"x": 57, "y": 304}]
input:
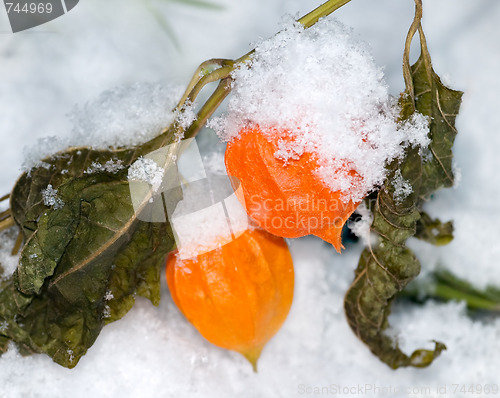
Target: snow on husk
[
  {"x": 322, "y": 88},
  {"x": 101, "y": 46}
]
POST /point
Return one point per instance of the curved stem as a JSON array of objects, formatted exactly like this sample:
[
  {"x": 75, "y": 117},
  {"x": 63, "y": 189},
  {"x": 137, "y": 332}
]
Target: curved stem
[
  {"x": 199, "y": 74},
  {"x": 406, "y": 56},
  {"x": 425, "y": 52},
  {"x": 207, "y": 110},
  {"x": 217, "y": 74}
]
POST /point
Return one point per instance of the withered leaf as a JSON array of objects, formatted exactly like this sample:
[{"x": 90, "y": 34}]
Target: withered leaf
[
  {"x": 86, "y": 256},
  {"x": 433, "y": 230},
  {"x": 387, "y": 266}
]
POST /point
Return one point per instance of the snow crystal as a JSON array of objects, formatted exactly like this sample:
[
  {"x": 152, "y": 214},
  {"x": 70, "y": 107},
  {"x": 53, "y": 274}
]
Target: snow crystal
[
  {"x": 402, "y": 188},
  {"x": 109, "y": 295},
  {"x": 111, "y": 166},
  {"x": 106, "y": 312},
  {"x": 51, "y": 199},
  {"x": 144, "y": 169},
  {"x": 321, "y": 88},
  {"x": 125, "y": 116}
]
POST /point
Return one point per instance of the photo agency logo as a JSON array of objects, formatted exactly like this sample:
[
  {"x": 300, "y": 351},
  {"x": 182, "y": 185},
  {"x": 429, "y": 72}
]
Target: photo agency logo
[
  {"x": 28, "y": 14},
  {"x": 209, "y": 213}
]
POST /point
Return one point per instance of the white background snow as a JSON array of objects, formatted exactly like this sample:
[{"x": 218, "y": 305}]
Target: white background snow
[{"x": 153, "y": 352}]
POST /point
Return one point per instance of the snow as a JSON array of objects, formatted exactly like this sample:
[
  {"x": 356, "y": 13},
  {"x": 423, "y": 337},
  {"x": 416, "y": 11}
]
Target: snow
[
  {"x": 111, "y": 166},
  {"x": 50, "y": 198},
  {"x": 319, "y": 91},
  {"x": 121, "y": 116},
  {"x": 146, "y": 170},
  {"x": 154, "y": 351},
  {"x": 402, "y": 187}
]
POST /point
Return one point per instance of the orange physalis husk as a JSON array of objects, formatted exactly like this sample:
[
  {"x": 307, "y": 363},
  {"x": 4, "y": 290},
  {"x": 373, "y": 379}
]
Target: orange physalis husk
[
  {"x": 287, "y": 199},
  {"x": 238, "y": 295}
]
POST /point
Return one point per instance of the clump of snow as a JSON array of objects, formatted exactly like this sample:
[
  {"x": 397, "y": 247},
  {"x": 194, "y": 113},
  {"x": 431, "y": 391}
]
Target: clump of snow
[
  {"x": 402, "y": 187},
  {"x": 125, "y": 116},
  {"x": 361, "y": 227},
  {"x": 50, "y": 198},
  {"x": 146, "y": 170},
  {"x": 321, "y": 89},
  {"x": 111, "y": 166}
]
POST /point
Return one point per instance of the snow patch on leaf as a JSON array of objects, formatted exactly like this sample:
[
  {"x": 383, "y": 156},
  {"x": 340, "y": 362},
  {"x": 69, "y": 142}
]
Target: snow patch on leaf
[
  {"x": 146, "y": 170},
  {"x": 402, "y": 187},
  {"x": 50, "y": 198}
]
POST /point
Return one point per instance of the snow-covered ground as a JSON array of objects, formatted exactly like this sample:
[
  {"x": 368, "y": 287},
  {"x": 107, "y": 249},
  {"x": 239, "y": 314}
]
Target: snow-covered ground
[{"x": 118, "y": 45}]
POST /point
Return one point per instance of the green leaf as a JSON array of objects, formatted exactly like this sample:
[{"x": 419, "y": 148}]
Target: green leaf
[
  {"x": 386, "y": 267},
  {"x": 84, "y": 259}
]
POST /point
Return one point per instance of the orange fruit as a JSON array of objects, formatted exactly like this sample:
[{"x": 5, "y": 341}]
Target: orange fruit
[
  {"x": 287, "y": 199},
  {"x": 237, "y": 296}
]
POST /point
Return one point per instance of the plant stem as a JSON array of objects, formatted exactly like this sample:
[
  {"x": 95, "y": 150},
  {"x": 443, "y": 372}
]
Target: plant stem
[
  {"x": 217, "y": 74},
  {"x": 199, "y": 74},
  {"x": 7, "y": 223},
  {"x": 323, "y": 10},
  {"x": 448, "y": 293},
  {"x": 443, "y": 285},
  {"x": 406, "y": 55},
  {"x": 220, "y": 93}
]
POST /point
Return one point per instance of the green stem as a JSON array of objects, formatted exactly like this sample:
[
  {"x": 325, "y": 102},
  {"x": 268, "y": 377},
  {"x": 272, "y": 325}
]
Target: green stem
[
  {"x": 199, "y": 74},
  {"x": 448, "y": 293},
  {"x": 443, "y": 285},
  {"x": 217, "y": 74},
  {"x": 323, "y": 10},
  {"x": 406, "y": 55},
  {"x": 220, "y": 93}
]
